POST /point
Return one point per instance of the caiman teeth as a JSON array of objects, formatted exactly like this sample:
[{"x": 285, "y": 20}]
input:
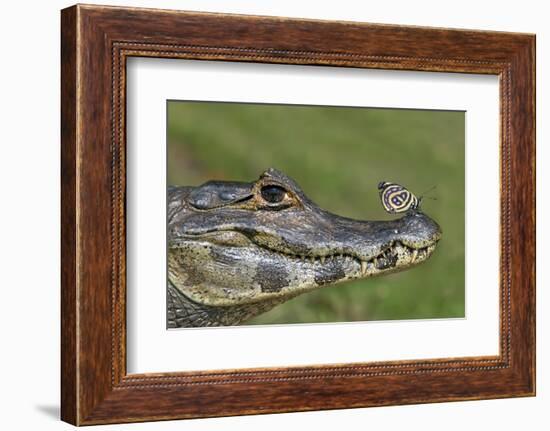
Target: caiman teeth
[{"x": 384, "y": 260}]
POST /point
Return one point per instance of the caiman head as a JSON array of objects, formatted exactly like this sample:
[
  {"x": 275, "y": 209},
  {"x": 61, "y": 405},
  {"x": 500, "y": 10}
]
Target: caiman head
[{"x": 238, "y": 249}]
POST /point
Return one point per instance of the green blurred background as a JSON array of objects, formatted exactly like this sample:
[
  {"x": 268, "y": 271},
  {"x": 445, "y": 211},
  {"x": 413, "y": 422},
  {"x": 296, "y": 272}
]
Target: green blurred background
[{"x": 338, "y": 155}]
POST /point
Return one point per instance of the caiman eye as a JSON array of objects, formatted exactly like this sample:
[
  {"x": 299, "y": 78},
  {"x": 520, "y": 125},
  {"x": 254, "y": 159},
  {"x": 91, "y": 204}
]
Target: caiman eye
[{"x": 273, "y": 194}]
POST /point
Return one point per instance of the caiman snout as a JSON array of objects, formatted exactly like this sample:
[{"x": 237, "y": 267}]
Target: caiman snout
[
  {"x": 418, "y": 230},
  {"x": 392, "y": 245},
  {"x": 362, "y": 248}
]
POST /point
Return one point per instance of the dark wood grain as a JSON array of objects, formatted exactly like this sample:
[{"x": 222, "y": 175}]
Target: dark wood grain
[
  {"x": 96, "y": 41},
  {"x": 69, "y": 398}
]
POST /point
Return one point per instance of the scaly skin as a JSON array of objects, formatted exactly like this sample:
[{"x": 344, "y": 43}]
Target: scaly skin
[{"x": 233, "y": 254}]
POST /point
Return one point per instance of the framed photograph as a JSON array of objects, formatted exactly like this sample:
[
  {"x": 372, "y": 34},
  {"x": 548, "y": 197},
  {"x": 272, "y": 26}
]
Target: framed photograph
[{"x": 264, "y": 214}]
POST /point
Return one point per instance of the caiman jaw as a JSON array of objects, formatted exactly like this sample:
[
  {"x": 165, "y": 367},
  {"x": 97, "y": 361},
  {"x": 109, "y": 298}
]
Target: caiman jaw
[
  {"x": 396, "y": 256},
  {"x": 228, "y": 267}
]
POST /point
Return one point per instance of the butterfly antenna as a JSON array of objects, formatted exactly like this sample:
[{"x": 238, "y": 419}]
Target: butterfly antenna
[
  {"x": 427, "y": 191},
  {"x": 423, "y": 195}
]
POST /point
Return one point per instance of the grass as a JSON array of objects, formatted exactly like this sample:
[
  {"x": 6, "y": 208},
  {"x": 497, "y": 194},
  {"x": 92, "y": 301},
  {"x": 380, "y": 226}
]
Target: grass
[{"x": 338, "y": 156}]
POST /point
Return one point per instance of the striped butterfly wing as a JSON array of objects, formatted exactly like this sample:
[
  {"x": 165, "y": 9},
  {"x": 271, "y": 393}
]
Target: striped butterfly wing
[{"x": 396, "y": 198}]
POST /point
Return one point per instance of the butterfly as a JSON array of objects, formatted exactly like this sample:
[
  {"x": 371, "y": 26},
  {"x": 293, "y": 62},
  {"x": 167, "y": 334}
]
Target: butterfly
[{"x": 397, "y": 199}]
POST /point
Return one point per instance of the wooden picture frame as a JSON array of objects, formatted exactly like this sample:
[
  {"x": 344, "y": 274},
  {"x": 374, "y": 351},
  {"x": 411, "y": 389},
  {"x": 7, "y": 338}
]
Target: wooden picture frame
[{"x": 96, "y": 41}]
